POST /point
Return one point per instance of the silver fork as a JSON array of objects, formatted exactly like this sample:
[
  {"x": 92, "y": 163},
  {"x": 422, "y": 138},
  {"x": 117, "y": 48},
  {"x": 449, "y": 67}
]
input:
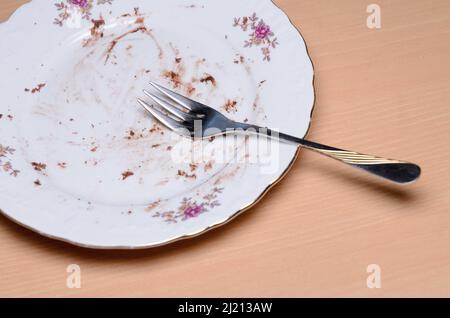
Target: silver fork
[{"x": 182, "y": 115}]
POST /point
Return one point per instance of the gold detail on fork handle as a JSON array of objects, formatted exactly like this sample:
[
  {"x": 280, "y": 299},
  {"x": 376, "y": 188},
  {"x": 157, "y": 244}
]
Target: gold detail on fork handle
[
  {"x": 394, "y": 170},
  {"x": 355, "y": 158}
]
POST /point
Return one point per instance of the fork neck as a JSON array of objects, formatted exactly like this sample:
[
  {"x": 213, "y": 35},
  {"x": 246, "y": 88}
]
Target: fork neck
[{"x": 281, "y": 136}]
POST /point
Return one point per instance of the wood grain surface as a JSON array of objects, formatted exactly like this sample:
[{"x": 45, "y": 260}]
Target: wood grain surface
[{"x": 382, "y": 91}]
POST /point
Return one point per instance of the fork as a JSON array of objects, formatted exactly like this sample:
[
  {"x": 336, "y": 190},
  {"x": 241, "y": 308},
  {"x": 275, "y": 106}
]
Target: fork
[{"x": 186, "y": 116}]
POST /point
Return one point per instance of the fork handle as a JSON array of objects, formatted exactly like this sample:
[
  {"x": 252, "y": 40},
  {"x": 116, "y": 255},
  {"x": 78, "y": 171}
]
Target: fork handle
[
  {"x": 390, "y": 169},
  {"x": 393, "y": 170}
]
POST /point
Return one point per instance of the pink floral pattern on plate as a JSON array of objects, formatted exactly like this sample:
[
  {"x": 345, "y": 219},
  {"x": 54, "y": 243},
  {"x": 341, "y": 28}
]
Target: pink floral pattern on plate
[
  {"x": 6, "y": 166},
  {"x": 261, "y": 34},
  {"x": 190, "y": 208},
  {"x": 84, "y": 7}
]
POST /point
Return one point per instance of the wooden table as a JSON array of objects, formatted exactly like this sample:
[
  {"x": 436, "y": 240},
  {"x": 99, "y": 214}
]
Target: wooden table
[{"x": 383, "y": 91}]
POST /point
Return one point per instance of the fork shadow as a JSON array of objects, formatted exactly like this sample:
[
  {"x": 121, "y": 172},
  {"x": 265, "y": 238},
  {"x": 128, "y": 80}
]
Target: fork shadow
[
  {"x": 404, "y": 194},
  {"x": 385, "y": 190}
]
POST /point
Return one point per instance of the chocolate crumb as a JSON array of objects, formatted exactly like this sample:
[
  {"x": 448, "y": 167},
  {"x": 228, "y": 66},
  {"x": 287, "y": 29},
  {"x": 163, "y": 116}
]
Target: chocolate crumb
[
  {"x": 208, "y": 166},
  {"x": 39, "y": 166},
  {"x": 208, "y": 78},
  {"x": 127, "y": 174},
  {"x": 182, "y": 173},
  {"x": 131, "y": 134},
  {"x": 154, "y": 129},
  {"x": 38, "y": 183},
  {"x": 37, "y": 89},
  {"x": 96, "y": 31},
  {"x": 173, "y": 77},
  {"x": 190, "y": 89},
  {"x": 97, "y": 24},
  {"x": 230, "y": 106},
  {"x": 153, "y": 205},
  {"x": 62, "y": 165},
  {"x": 240, "y": 59}
]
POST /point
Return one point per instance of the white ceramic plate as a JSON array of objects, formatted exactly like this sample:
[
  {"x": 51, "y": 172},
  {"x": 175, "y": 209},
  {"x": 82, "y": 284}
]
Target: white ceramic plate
[{"x": 82, "y": 163}]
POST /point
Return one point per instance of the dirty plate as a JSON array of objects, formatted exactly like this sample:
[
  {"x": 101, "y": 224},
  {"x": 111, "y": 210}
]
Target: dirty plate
[{"x": 81, "y": 162}]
